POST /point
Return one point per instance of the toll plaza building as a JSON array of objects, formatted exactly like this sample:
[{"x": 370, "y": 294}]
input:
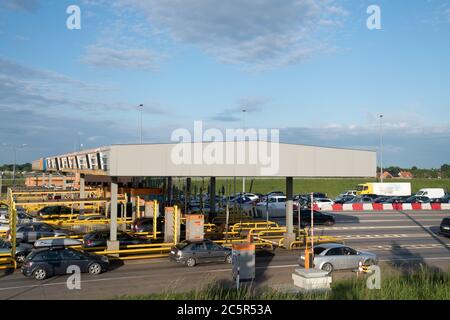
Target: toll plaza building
[{"x": 117, "y": 163}]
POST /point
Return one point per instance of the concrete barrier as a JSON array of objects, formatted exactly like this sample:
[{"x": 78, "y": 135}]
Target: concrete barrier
[{"x": 385, "y": 207}]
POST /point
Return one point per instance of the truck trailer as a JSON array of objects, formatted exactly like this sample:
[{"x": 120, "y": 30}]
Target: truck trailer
[{"x": 385, "y": 189}]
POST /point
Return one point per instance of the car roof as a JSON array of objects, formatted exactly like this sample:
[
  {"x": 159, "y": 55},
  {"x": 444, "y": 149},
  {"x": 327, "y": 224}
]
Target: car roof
[{"x": 331, "y": 245}]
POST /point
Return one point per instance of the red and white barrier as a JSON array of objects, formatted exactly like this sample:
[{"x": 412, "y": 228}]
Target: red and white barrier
[{"x": 383, "y": 207}]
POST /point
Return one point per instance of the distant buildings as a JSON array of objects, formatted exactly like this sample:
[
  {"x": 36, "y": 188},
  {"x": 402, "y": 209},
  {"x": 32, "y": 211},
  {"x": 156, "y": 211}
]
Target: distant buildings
[{"x": 405, "y": 175}]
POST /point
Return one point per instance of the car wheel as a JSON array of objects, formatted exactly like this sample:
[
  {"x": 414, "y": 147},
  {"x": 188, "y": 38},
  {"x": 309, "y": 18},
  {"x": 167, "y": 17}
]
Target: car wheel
[
  {"x": 40, "y": 274},
  {"x": 229, "y": 259},
  {"x": 191, "y": 262},
  {"x": 328, "y": 267},
  {"x": 20, "y": 257},
  {"x": 95, "y": 268}
]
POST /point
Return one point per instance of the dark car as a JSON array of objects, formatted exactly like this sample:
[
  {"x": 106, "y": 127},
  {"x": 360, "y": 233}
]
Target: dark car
[
  {"x": 361, "y": 199},
  {"x": 344, "y": 199},
  {"x": 395, "y": 200},
  {"x": 191, "y": 253},
  {"x": 417, "y": 199},
  {"x": 381, "y": 200},
  {"x": 444, "y": 199},
  {"x": 320, "y": 218},
  {"x": 100, "y": 238},
  {"x": 445, "y": 227},
  {"x": 30, "y": 232},
  {"x": 22, "y": 249},
  {"x": 56, "y": 211},
  {"x": 43, "y": 263}
]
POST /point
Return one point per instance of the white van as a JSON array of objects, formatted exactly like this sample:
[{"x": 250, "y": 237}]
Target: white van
[{"x": 432, "y": 193}]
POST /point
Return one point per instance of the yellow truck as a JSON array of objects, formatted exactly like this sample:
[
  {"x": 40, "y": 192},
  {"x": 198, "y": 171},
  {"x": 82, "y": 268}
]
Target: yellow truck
[{"x": 385, "y": 189}]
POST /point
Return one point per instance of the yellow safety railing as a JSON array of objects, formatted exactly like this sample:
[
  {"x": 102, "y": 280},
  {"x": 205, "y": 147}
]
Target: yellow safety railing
[
  {"x": 317, "y": 240},
  {"x": 253, "y": 225},
  {"x": 7, "y": 261}
]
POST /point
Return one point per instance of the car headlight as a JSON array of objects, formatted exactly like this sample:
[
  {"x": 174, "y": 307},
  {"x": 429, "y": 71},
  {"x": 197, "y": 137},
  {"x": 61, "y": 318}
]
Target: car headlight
[{"x": 105, "y": 259}]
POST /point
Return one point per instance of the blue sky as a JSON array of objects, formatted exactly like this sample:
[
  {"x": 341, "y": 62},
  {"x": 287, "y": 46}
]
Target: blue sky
[{"x": 310, "y": 68}]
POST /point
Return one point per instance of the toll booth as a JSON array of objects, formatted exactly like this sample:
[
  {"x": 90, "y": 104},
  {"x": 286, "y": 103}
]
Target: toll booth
[
  {"x": 171, "y": 224},
  {"x": 243, "y": 261},
  {"x": 195, "y": 230}
]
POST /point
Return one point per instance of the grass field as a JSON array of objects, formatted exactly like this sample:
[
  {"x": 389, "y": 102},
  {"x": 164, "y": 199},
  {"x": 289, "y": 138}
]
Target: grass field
[
  {"x": 332, "y": 187},
  {"x": 421, "y": 284}
]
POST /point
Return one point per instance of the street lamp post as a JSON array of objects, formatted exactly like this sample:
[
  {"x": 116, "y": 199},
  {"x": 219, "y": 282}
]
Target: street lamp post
[{"x": 381, "y": 148}]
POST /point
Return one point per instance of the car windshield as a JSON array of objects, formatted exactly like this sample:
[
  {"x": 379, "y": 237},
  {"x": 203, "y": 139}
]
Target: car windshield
[{"x": 182, "y": 245}]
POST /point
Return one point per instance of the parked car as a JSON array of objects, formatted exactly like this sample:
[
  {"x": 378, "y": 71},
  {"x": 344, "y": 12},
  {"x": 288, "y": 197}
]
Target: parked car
[
  {"x": 90, "y": 218},
  {"x": 444, "y": 199},
  {"x": 445, "y": 227},
  {"x": 417, "y": 199},
  {"x": 321, "y": 202},
  {"x": 361, "y": 199},
  {"x": 22, "y": 249},
  {"x": 22, "y": 217},
  {"x": 343, "y": 199},
  {"x": 393, "y": 200},
  {"x": 335, "y": 256},
  {"x": 30, "y": 232},
  {"x": 349, "y": 193},
  {"x": 100, "y": 238},
  {"x": 276, "y": 206},
  {"x": 43, "y": 263},
  {"x": 191, "y": 253},
  {"x": 56, "y": 211},
  {"x": 320, "y": 218}
]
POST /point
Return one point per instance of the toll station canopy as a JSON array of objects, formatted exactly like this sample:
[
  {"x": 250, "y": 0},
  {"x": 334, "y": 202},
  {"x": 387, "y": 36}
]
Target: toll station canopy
[{"x": 214, "y": 159}]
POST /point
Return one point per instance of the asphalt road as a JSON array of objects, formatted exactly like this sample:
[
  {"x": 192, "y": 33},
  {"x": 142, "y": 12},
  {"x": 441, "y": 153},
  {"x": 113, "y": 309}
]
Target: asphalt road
[{"x": 402, "y": 240}]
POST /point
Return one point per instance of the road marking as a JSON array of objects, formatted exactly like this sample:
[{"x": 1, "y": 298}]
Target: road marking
[
  {"x": 382, "y": 236},
  {"x": 372, "y": 228},
  {"x": 382, "y": 220},
  {"x": 405, "y": 246},
  {"x": 198, "y": 272}
]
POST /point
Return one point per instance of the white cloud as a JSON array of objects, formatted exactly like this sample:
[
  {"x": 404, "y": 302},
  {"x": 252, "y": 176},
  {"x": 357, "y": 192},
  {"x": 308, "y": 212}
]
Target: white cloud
[
  {"x": 256, "y": 34},
  {"x": 138, "y": 59}
]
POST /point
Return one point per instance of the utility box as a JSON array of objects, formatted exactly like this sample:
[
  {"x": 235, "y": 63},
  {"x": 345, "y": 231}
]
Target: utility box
[
  {"x": 195, "y": 230},
  {"x": 243, "y": 261},
  {"x": 171, "y": 225}
]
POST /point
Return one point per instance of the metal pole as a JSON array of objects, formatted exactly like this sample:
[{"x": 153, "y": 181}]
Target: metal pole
[
  {"x": 243, "y": 122},
  {"x": 312, "y": 224},
  {"x": 381, "y": 148}
]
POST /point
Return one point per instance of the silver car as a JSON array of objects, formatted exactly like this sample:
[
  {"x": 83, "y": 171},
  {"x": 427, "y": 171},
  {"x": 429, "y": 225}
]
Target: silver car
[{"x": 335, "y": 256}]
